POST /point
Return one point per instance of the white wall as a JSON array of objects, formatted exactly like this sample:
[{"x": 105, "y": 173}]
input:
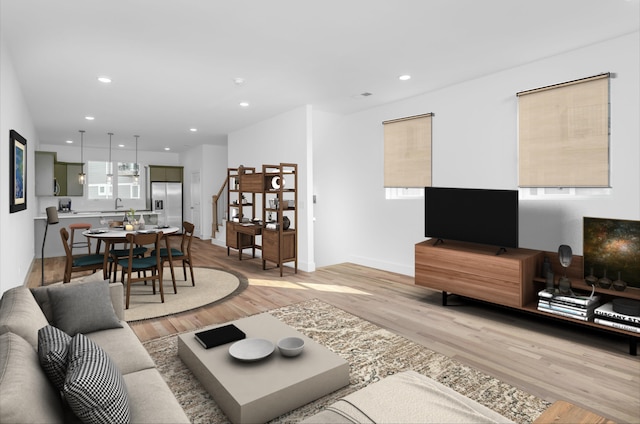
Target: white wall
[
  {"x": 16, "y": 246},
  {"x": 283, "y": 139},
  {"x": 474, "y": 145},
  {"x": 211, "y": 162},
  {"x": 333, "y": 171}
]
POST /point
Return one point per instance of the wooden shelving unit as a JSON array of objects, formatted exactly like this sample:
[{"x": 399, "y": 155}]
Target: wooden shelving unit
[
  {"x": 276, "y": 187},
  {"x": 280, "y": 204},
  {"x": 241, "y": 227}
]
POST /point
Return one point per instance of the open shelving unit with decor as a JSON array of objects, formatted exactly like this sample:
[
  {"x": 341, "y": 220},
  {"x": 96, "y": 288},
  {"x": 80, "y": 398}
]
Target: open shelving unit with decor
[
  {"x": 512, "y": 279},
  {"x": 280, "y": 215},
  {"x": 575, "y": 273},
  {"x": 242, "y": 228}
]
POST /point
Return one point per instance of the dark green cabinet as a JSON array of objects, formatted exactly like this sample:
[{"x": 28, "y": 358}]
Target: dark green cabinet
[{"x": 169, "y": 174}]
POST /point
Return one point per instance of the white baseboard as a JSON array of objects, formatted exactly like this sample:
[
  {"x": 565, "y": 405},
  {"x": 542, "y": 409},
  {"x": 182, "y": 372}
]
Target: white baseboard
[{"x": 403, "y": 269}]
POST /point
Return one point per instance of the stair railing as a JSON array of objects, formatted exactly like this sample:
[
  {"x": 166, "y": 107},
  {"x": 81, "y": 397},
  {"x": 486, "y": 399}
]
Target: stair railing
[{"x": 219, "y": 207}]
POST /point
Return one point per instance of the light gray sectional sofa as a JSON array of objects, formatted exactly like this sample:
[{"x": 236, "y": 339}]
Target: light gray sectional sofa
[
  {"x": 406, "y": 397},
  {"x": 97, "y": 368}
]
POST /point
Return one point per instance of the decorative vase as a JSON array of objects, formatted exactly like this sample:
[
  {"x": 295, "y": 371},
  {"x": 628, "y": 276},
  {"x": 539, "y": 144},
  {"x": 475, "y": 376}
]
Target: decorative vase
[
  {"x": 619, "y": 285},
  {"x": 286, "y": 223},
  {"x": 141, "y": 222},
  {"x": 546, "y": 266},
  {"x": 591, "y": 279},
  {"x": 564, "y": 286},
  {"x": 604, "y": 282},
  {"x": 550, "y": 282}
]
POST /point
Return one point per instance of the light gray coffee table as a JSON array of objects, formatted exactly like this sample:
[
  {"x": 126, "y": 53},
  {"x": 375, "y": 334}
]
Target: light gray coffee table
[{"x": 252, "y": 392}]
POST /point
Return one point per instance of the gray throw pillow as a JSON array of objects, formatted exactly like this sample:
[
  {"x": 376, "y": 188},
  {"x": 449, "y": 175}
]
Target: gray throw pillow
[
  {"x": 53, "y": 348},
  {"x": 94, "y": 387},
  {"x": 83, "y": 308}
]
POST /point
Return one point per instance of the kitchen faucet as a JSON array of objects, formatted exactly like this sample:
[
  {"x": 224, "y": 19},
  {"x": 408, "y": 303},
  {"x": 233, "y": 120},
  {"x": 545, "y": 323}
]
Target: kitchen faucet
[{"x": 118, "y": 207}]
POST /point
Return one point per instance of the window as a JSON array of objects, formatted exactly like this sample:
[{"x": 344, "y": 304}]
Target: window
[
  {"x": 126, "y": 186},
  {"x": 563, "y": 134},
  {"x": 396, "y": 193},
  {"x": 407, "y": 152}
]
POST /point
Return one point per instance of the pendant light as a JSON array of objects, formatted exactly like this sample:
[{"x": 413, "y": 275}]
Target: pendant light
[
  {"x": 81, "y": 176},
  {"x": 136, "y": 175},
  {"x": 109, "y": 164}
]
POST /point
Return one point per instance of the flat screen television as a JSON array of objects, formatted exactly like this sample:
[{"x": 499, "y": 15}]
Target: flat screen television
[{"x": 482, "y": 216}]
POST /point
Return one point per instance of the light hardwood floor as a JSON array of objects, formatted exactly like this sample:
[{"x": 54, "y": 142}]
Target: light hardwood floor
[{"x": 550, "y": 359}]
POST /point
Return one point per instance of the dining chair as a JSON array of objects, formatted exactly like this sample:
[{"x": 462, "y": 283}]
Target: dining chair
[
  {"x": 152, "y": 263},
  {"x": 172, "y": 254},
  {"x": 89, "y": 262},
  {"x": 117, "y": 254},
  {"x": 80, "y": 226}
]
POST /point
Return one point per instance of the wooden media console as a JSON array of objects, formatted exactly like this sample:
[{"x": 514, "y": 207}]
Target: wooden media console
[{"x": 508, "y": 278}]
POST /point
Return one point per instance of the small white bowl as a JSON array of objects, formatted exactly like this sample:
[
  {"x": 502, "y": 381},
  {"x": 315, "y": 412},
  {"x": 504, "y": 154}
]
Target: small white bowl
[{"x": 291, "y": 346}]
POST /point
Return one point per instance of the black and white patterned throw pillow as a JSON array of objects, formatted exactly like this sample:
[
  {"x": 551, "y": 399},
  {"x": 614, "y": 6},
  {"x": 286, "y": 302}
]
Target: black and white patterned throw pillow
[
  {"x": 53, "y": 348},
  {"x": 94, "y": 387}
]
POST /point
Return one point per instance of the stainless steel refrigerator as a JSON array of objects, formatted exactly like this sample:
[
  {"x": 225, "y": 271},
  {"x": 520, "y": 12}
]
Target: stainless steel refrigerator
[{"x": 166, "y": 201}]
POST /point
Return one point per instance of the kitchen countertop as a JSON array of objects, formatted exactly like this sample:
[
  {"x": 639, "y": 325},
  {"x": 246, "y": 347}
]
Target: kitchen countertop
[{"x": 94, "y": 214}]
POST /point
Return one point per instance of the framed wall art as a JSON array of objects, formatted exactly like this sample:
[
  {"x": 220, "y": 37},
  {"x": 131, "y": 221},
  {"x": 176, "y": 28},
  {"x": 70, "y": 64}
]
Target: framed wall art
[{"x": 18, "y": 169}]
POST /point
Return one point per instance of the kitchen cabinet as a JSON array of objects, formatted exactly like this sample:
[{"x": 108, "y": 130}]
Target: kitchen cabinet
[
  {"x": 45, "y": 183},
  {"x": 168, "y": 174},
  {"x": 66, "y": 174},
  {"x": 55, "y": 178}
]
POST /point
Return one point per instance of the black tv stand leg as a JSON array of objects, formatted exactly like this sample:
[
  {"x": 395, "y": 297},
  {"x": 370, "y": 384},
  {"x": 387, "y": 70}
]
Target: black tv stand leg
[
  {"x": 444, "y": 298},
  {"x": 633, "y": 346}
]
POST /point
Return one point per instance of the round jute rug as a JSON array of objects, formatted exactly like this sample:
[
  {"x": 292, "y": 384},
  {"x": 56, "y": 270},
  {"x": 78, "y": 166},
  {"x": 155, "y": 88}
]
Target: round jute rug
[{"x": 212, "y": 285}]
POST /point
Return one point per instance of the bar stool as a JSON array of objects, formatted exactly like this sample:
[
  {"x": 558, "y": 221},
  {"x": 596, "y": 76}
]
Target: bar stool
[{"x": 81, "y": 226}]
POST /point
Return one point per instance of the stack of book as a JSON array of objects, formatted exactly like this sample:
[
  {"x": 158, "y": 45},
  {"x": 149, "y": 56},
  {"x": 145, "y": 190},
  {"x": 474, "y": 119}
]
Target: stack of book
[
  {"x": 605, "y": 315},
  {"x": 580, "y": 308}
]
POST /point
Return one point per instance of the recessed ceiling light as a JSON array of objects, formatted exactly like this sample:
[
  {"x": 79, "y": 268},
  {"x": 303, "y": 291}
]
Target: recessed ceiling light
[
  {"x": 104, "y": 80},
  {"x": 69, "y": 141},
  {"x": 244, "y": 104},
  {"x": 404, "y": 77},
  {"x": 89, "y": 118},
  {"x": 120, "y": 145},
  {"x": 167, "y": 148},
  {"x": 238, "y": 81},
  {"x": 193, "y": 129}
]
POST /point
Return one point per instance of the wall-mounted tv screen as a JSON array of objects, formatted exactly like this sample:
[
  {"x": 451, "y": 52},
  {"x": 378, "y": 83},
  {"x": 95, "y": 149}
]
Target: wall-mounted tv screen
[
  {"x": 473, "y": 215},
  {"x": 612, "y": 245}
]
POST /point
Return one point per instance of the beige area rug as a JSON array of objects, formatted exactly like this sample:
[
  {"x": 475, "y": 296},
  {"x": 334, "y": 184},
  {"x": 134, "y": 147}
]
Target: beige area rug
[
  {"x": 372, "y": 353},
  {"x": 212, "y": 285}
]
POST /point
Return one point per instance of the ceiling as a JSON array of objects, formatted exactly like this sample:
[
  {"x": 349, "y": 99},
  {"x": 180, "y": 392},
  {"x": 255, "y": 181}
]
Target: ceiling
[{"x": 173, "y": 63}]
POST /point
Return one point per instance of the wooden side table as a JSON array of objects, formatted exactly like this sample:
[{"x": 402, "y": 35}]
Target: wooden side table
[{"x": 568, "y": 413}]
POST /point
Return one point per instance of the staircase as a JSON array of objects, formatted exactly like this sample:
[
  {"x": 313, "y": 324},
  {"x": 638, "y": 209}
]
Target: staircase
[
  {"x": 219, "y": 211},
  {"x": 219, "y": 235}
]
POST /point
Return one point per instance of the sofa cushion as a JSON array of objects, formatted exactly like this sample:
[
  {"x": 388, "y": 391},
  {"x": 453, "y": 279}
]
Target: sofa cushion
[
  {"x": 406, "y": 397},
  {"x": 26, "y": 395},
  {"x": 94, "y": 388},
  {"x": 83, "y": 308},
  {"x": 21, "y": 315},
  {"x": 42, "y": 293},
  {"x": 151, "y": 399},
  {"x": 124, "y": 348},
  {"x": 53, "y": 348}
]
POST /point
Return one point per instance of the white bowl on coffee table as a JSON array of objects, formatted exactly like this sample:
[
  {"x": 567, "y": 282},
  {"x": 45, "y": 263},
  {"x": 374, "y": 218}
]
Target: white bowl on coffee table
[{"x": 290, "y": 346}]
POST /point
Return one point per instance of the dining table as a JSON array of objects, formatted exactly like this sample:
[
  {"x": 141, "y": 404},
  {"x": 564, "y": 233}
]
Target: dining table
[{"x": 114, "y": 235}]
